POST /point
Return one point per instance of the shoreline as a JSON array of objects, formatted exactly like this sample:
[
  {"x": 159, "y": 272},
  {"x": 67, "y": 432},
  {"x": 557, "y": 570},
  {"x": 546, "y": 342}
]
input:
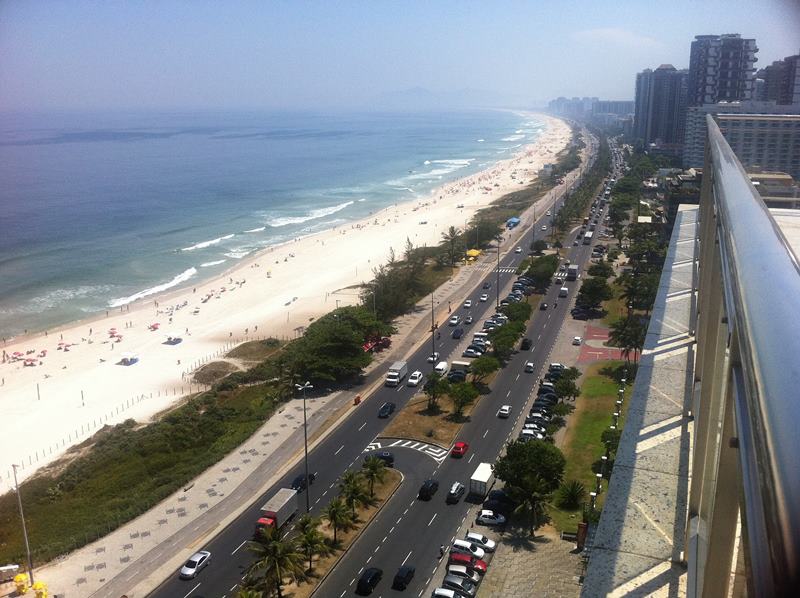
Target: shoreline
[{"x": 277, "y": 291}]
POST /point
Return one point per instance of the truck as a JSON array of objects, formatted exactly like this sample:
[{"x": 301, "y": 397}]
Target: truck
[
  {"x": 572, "y": 272},
  {"x": 278, "y": 510},
  {"x": 460, "y": 366},
  {"x": 587, "y": 238},
  {"x": 481, "y": 481},
  {"x": 396, "y": 373}
]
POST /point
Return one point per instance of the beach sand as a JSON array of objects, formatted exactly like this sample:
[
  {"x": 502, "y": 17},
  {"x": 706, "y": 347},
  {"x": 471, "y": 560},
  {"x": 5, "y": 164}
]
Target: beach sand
[{"x": 49, "y": 407}]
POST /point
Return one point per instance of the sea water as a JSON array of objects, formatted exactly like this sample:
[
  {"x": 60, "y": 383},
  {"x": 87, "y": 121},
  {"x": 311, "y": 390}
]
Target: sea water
[{"x": 100, "y": 210}]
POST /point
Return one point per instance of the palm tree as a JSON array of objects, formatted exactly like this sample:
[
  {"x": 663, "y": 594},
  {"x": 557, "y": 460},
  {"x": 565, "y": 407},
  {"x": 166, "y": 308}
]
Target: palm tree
[
  {"x": 451, "y": 238},
  {"x": 249, "y": 593},
  {"x": 373, "y": 470},
  {"x": 276, "y": 558},
  {"x": 351, "y": 489},
  {"x": 571, "y": 494},
  {"x": 338, "y": 515},
  {"x": 306, "y": 522},
  {"x": 531, "y": 497},
  {"x": 312, "y": 541}
]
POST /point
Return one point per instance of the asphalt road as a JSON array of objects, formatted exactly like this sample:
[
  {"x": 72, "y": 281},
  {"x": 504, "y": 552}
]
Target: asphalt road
[{"x": 424, "y": 525}]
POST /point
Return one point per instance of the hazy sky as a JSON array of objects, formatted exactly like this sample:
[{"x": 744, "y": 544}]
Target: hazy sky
[{"x": 296, "y": 54}]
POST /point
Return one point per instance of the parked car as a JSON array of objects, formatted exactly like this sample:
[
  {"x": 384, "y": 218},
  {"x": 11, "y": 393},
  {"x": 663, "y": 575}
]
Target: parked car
[
  {"x": 468, "y": 548},
  {"x": 504, "y": 411},
  {"x": 454, "y": 495},
  {"x": 300, "y": 483},
  {"x": 386, "y": 409},
  {"x": 196, "y": 563},
  {"x": 458, "y": 333},
  {"x": 385, "y": 456},
  {"x": 415, "y": 378},
  {"x": 460, "y": 449},
  {"x": 476, "y": 564},
  {"x": 488, "y": 517},
  {"x": 428, "y": 489},
  {"x": 465, "y": 572},
  {"x": 481, "y": 540},
  {"x": 403, "y": 577},
  {"x": 470, "y": 352},
  {"x": 577, "y": 340},
  {"x": 457, "y": 376},
  {"x": 368, "y": 580}
]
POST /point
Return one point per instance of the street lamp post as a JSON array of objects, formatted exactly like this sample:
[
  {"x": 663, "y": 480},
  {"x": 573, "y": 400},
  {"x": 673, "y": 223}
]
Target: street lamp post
[
  {"x": 303, "y": 388},
  {"x": 24, "y": 528},
  {"x": 433, "y": 334},
  {"x": 497, "y": 281}
]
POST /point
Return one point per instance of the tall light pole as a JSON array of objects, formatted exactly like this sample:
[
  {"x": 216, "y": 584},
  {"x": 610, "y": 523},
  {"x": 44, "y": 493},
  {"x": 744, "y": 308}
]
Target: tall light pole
[
  {"x": 497, "y": 283},
  {"x": 433, "y": 334},
  {"x": 24, "y": 528},
  {"x": 303, "y": 388}
]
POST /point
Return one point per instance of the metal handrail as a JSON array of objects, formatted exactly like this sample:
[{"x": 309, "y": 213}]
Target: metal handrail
[{"x": 762, "y": 296}]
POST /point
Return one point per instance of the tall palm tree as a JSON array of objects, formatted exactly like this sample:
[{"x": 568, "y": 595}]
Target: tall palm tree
[
  {"x": 312, "y": 542},
  {"x": 276, "y": 559},
  {"x": 531, "y": 496},
  {"x": 373, "y": 470},
  {"x": 249, "y": 593},
  {"x": 338, "y": 515},
  {"x": 306, "y": 522},
  {"x": 451, "y": 237},
  {"x": 351, "y": 489}
]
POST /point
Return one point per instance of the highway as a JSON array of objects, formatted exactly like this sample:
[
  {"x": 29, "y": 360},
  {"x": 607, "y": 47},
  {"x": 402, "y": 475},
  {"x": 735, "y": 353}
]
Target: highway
[{"x": 406, "y": 529}]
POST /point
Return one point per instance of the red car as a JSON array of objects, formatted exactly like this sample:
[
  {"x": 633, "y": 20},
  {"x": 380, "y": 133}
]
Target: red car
[
  {"x": 468, "y": 561},
  {"x": 459, "y": 449}
]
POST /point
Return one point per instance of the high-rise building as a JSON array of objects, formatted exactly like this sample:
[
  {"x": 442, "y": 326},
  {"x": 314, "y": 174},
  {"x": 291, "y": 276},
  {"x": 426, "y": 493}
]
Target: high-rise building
[
  {"x": 781, "y": 81},
  {"x": 721, "y": 69},
  {"x": 660, "y": 106}
]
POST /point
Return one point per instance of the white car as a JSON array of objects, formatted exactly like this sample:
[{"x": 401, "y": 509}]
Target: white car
[
  {"x": 195, "y": 563},
  {"x": 454, "y": 321},
  {"x": 549, "y": 213},
  {"x": 529, "y": 367},
  {"x": 465, "y": 547},
  {"x": 490, "y": 518},
  {"x": 577, "y": 340},
  {"x": 504, "y": 411},
  {"x": 415, "y": 378},
  {"x": 518, "y": 250},
  {"x": 433, "y": 357},
  {"x": 484, "y": 297},
  {"x": 544, "y": 227},
  {"x": 481, "y": 540},
  {"x": 467, "y": 303}
]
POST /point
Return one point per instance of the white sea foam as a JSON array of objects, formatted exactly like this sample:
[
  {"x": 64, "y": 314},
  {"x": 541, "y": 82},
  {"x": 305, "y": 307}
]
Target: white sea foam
[
  {"x": 519, "y": 131},
  {"x": 237, "y": 254},
  {"x": 427, "y": 162},
  {"x": 481, "y": 140},
  {"x": 56, "y": 298},
  {"x": 362, "y": 199},
  {"x": 513, "y": 138},
  {"x": 214, "y": 263},
  {"x": 256, "y": 230},
  {"x": 182, "y": 277},
  {"x": 312, "y": 215},
  {"x": 207, "y": 243},
  {"x": 457, "y": 162}
]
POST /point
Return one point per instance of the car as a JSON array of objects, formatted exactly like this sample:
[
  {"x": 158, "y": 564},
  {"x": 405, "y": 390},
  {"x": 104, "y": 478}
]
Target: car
[
  {"x": 544, "y": 227},
  {"x": 460, "y": 449},
  {"x": 300, "y": 484},
  {"x": 386, "y": 409},
  {"x": 500, "y": 495},
  {"x": 445, "y": 593},
  {"x": 487, "y": 285},
  {"x": 526, "y": 344},
  {"x": 468, "y": 548},
  {"x": 476, "y": 564},
  {"x": 457, "y": 376},
  {"x": 433, "y": 357},
  {"x": 577, "y": 340},
  {"x": 481, "y": 540},
  {"x": 483, "y": 298},
  {"x": 368, "y": 580},
  {"x": 497, "y": 508},
  {"x": 529, "y": 367},
  {"x": 415, "y": 378},
  {"x": 467, "y": 303},
  {"x": 504, "y": 411},
  {"x": 458, "y": 333},
  {"x": 469, "y": 352},
  {"x": 454, "y": 320},
  {"x": 403, "y": 577},
  {"x": 385, "y": 456},
  {"x": 543, "y": 306},
  {"x": 478, "y": 346},
  {"x": 556, "y": 366},
  {"x": 558, "y": 280},
  {"x": 505, "y": 302},
  {"x": 465, "y": 572},
  {"x": 196, "y": 563},
  {"x": 575, "y": 243},
  {"x": 454, "y": 495},
  {"x": 526, "y": 435},
  {"x": 537, "y": 417},
  {"x": 428, "y": 489},
  {"x": 518, "y": 250}
]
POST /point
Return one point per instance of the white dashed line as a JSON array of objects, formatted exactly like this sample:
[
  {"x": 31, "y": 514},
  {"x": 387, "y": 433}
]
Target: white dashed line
[
  {"x": 362, "y": 426},
  {"x": 339, "y": 450},
  {"x": 485, "y": 433},
  {"x": 432, "y": 518},
  {"x": 405, "y": 559},
  {"x": 470, "y": 458},
  {"x": 234, "y": 552},
  {"x": 192, "y": 590}
]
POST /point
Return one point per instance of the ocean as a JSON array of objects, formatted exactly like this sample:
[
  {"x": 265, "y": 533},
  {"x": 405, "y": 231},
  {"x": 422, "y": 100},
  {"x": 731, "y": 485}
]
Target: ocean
[{"x": 99, "y": 210}]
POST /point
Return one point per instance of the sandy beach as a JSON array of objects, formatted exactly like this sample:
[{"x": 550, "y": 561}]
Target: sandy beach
[{"x": 76, "y": 383}]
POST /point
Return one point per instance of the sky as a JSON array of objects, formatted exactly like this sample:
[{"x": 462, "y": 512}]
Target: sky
[{"x": 201, "y": 55}]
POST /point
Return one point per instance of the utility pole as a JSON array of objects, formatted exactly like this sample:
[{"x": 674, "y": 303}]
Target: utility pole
[
  {"x": 433, "y": 334},
  {"x": 497, "y": 283},
  {"x": 24, "y": 528},
  {"x": 303, "y": 388}
]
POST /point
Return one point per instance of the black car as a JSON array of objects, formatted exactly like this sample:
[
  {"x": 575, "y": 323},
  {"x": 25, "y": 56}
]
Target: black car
[
  {"x": 428, "y": 489},
  {"x": 403, "y": 577},
  {"x": 457, "y": 376},
  {"x": 368, "y": 580},
  {"x": 386, "y": 409},
  {"x": 543, "y": 306},
  {"x": 458, "y": 333},
  {"x": 385, "y": 456},
  {"x": 526, "y": 344},
  {"x": 299, "y": 483},
  {"x": 487, "y": 285}
]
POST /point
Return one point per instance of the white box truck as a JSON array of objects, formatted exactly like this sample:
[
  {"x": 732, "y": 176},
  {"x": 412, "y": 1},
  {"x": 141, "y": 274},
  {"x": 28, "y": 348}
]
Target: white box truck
[
  {"x": 396, "y": 373},
  {"x": 457, "y": 366},
  {"x": 572, "y": 272},
  {"x": 278, "y": 510},
  {"x": 481, "y": 481}
]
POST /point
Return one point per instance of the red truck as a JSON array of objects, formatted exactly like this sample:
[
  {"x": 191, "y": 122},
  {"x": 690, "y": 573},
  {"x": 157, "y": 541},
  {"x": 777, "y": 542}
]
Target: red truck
[{"x": 278, "y": 510}]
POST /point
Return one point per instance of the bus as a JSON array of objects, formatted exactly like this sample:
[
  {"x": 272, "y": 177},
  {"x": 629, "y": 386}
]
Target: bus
[{"x": 587, "y": 238}]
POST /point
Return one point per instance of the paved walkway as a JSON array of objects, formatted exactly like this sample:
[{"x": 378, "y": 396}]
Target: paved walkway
[{"x": 594, "y": 349}]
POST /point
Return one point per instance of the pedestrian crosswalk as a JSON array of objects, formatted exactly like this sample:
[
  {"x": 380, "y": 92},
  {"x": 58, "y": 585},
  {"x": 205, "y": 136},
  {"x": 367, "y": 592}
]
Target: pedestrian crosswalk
[
  {"x": 437, "y": 453},
  {"x": 505, "y": 270}
]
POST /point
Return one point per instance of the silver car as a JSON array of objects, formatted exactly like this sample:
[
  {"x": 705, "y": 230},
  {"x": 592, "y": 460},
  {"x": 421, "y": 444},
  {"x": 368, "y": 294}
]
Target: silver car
[
  {"x": 195, "y": 563},
  {"x": 461, "y": 585}
]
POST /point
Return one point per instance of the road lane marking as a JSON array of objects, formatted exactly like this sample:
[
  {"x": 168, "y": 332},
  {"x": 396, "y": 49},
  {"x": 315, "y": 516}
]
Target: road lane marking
[
  {"x": 508, "y": 394},
  {"x": 470, "y": 458},
  {"x": 193, "y": 589},
  {"x": 517, "y": 378},
  {"x": 237, "y": 548},
  {"x": 391, "y": 530},
  {"x": 485, "y": 433},
  {"x": 233, "y": 587},
  {"x": 405, "y": 559},
  {"x": 432, "y": 518},
  {"x": 362, "y": 426},
  {"x": 338, "y": 451},
  {"x": 384, "y": 539}
]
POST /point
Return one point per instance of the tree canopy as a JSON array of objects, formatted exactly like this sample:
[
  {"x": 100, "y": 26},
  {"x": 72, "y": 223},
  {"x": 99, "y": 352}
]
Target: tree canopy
[{"x": 533, "y": 458}]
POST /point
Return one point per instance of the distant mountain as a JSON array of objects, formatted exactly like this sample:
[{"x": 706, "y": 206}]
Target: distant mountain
[{"x": 420, "y": 98}]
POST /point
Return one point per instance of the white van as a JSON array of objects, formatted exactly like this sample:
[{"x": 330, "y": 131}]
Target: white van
[
  {"x": 563, "y": 292},
  {"x": 442, "y": 368},
  {"x": 480, "y": 337}
]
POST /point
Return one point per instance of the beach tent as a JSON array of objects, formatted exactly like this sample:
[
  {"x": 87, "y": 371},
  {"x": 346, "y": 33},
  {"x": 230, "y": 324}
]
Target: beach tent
[
  {"x": 129, "y": 359},
  {"x": 473, "y": 253},
  {"x": 512, "y": 222},
  {"x": 173, "y": 338}
]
